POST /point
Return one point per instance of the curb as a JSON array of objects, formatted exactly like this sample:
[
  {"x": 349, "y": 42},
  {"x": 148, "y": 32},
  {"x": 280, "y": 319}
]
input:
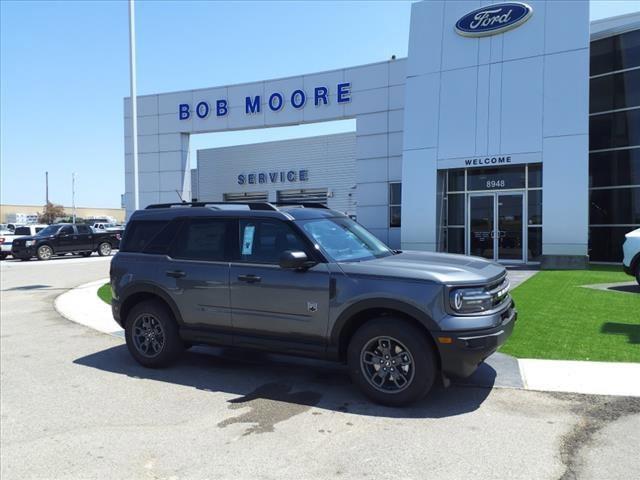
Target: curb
[{"x": 83, "y": 306}]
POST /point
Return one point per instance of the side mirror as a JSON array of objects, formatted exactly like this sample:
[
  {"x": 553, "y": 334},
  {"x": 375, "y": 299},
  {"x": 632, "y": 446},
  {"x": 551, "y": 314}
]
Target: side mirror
[{"x": 294, "y": 259}]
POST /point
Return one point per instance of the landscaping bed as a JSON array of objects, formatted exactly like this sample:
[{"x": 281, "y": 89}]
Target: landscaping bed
[{"x": 104, "y": 292}]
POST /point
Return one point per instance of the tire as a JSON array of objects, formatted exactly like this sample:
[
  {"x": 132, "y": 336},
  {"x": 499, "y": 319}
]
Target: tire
[
  {"x": 44, "y": 252},
  {"x": 638, "y": 273},
  {"x": 146, "y": 318},
  {"x": 104, "y": 249},
  {"x": 3, "y": 256},
  {"x": 86, "y": 254},
  {"x": 365, "y": 352}
]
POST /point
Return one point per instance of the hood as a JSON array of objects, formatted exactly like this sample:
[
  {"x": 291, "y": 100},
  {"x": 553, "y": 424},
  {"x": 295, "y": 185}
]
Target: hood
[{"x": 436, "y": 267}]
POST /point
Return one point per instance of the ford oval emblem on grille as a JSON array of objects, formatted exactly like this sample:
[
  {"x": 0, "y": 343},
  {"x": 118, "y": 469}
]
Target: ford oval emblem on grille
[{"x": 493, "y": 19}]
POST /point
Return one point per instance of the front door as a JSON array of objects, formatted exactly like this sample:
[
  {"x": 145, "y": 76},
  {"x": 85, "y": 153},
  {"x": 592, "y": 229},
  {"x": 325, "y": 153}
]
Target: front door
[
  {"x": 495, "y": 226},
  {"x": 274, "y": 306}
]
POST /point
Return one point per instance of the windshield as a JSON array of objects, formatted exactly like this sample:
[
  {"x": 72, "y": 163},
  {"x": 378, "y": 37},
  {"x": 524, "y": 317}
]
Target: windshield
[
  {"x": 50, "y": 230},
  {"x": 344, "y": 240}
]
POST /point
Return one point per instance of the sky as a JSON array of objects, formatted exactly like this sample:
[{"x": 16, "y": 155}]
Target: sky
[{"x": 64, "y": 71}]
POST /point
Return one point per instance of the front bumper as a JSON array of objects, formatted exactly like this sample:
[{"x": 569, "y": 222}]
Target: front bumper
[
  {"x": 22, "y": 251},
  {"x": 5, "y": 248},
  {"x": 467, "y": 350}
]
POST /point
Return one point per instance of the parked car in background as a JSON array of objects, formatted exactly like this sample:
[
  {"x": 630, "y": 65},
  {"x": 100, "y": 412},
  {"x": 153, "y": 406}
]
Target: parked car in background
[
  {"x": 64, "y": 238},
  {"x": 107, "y": 227},
  {"x": 6, "y": 239},
  {"x": 631, "y": 250}
]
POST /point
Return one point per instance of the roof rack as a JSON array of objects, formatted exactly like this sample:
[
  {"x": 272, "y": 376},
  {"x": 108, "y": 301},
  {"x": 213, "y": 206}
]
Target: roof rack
[
  {"x": 301, "y": 204},
  {"x": 251, "y": 205}
]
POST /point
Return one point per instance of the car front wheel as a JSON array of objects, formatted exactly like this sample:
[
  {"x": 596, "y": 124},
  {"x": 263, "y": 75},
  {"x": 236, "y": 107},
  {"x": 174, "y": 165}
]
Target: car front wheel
[
  {"x": 151, "y": 333},
  {"x": 392, "y": 361},
  {"x": 44, "y": 252}
]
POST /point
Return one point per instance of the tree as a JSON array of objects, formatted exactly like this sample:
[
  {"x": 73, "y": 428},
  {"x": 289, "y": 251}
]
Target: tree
[{"x": 50, "y": 213}]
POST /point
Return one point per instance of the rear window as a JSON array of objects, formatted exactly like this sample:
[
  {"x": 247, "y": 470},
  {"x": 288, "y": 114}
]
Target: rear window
[
  {"x": 139, "y": 233},
  {"x": 22, "y": 231}
]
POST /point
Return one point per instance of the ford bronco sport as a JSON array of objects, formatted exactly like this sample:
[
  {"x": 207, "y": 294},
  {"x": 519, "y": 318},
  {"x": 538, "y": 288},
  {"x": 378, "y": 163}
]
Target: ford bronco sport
[{"x": 305, "y": 280}]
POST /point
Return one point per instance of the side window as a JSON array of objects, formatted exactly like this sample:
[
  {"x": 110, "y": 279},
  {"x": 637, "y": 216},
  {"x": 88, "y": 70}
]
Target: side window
[
  {"x": 202, "y": 239},
  {"x": 83, "y": 229},
  {"x": 139, "y": 233},
  {"x": 161, "y": 242},
  {"x": 66, "y": 230},
  {"x": 263, "y": 241}
]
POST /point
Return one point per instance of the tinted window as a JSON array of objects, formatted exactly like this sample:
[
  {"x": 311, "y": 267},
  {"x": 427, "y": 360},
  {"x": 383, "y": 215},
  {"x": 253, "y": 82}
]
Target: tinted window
[
  {"x": 139, "y": 233},
  {"x": 456, "y": 180},
  {"x": 535, "y": 207},
  {"x": 615, "y": 53},
  {"x": 495, "y": 178},
  {"x": 535, "y": 244},
  {"x": 455, "y": 207},
  {"x": 162, "y": 241},
  {"x": 615, "y": 206},
  {"x": 619, "y": 167},
  {"x": 455, "y": 240},
  {"x": 203, "y": 239},
  {"x": 535, "y": 175},
  {"x": 67, "y": 230},
  {"x": 395, "y": 193},
  {"x": 22, "y": 231},
  {"x": 611, "y": 92},
  {"x": 39, "y": 229},
  {"x": 263, "y": 241},
  {"x": 611, "y": 130},
  {"x": 83, "y": 229},
  {"x": 605, "y": 243}
]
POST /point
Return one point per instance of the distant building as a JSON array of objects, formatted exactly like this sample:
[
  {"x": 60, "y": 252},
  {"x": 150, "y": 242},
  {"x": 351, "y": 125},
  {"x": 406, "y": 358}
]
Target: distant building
[
  {"x": 22, "y": 218},
  {"x": 24, "y": 214}
]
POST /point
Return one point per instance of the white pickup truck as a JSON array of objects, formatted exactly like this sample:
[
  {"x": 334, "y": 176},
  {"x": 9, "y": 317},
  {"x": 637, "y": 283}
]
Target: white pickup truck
[
  {"x": 631, "y": 250},
  {"x": 7, "y": 238}
]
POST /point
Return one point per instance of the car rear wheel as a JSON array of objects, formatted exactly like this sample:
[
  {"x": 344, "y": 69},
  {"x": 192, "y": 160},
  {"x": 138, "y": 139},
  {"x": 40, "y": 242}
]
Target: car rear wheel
[
  {"x": 392, "y": 361},
  {"x": 44, "y": 252},
  {"x": 104, "y": 249},
  {"x": 151, "y": 333}
]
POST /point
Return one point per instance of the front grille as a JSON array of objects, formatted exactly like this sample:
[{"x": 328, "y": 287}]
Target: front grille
[{"x": 499, "y": 291}]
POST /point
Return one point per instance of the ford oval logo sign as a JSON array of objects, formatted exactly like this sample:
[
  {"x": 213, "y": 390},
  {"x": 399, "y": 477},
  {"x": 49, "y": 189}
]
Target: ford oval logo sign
[{"x": 493, "y": 19}]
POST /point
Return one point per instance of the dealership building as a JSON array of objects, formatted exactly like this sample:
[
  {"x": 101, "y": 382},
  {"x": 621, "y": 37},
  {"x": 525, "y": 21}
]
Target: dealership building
[{"x": 511, "y": 131}]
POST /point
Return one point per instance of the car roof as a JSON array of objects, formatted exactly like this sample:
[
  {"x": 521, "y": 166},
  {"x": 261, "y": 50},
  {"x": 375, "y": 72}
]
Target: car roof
[{"x": 235, "y": 210}]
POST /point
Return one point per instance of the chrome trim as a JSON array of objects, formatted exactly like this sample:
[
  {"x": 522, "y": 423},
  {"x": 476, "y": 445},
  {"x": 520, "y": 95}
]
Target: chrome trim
[{"x": 496, "y": 334}]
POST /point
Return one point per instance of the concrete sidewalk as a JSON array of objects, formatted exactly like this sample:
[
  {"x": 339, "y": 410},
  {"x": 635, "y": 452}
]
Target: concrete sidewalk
[{"x": 82, "y": 305}]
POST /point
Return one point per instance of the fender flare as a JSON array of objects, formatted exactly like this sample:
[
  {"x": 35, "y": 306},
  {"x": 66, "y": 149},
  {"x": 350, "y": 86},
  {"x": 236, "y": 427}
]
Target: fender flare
[
  {"x": 350, "y": 312},
  {"x": 149, "y": 288}
]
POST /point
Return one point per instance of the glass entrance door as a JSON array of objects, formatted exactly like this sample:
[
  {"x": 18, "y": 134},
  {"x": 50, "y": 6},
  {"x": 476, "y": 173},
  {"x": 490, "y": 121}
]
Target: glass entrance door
[
  {"x": 482, "y": 225},
  {"x": 509, "y": 230},
  {"x": 496, "y": 227}
]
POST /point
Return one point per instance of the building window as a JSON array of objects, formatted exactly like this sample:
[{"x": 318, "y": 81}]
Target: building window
[
  {"x": 614, "y": 144},
  {"x": 395, "y": 201}
]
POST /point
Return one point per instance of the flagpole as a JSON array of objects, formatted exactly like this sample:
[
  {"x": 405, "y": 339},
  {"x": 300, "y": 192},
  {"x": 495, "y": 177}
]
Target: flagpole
[{"x": 134, "y": 103}]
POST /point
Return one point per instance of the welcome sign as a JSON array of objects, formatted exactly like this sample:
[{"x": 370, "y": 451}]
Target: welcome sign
[{"x": 493, "y": 19}]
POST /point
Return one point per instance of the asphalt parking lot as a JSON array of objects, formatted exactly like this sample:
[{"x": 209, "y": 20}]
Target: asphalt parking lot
[{"x": 75, "y": 405}]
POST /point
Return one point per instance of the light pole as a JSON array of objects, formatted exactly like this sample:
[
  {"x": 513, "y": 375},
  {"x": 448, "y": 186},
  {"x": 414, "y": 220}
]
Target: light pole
[
  {"x": 134, "y": 102},
  {"x": 73, "y": 196}
]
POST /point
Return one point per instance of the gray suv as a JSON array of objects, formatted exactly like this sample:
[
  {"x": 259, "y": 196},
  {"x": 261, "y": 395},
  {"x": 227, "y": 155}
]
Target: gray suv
[{"x": 305, "y": 280}]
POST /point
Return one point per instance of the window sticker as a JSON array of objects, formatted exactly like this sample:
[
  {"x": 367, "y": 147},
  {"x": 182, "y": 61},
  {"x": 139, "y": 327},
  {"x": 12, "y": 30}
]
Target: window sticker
[{"x": 247, "y": 241}]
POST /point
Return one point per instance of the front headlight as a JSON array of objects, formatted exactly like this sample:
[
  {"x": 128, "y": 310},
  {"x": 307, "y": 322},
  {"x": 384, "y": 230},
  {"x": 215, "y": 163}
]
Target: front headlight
[
  {"x": 470, "y": 300},
  {"x": 29, "y": 243}
]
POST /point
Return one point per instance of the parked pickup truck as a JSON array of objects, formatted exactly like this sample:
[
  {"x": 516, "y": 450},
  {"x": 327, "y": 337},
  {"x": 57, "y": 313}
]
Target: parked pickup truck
[
  {"x": 7, "y": 237},
  {"x": 64, "y": 238}
]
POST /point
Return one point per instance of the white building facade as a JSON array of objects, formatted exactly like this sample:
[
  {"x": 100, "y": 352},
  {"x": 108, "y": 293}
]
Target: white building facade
[{"x": 478, "y": 142}]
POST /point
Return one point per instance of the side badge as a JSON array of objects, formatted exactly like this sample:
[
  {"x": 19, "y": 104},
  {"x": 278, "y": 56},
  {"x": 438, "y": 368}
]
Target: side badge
[{"x": 312, "y": 307}]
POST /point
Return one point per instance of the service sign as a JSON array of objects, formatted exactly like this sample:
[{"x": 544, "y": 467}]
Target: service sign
[{"x": 493, "y": 19}]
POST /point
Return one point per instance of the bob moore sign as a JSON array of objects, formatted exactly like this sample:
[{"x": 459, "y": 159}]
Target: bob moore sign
[
  {"x": 493, "y": 19},
  {"x": 253, "y": 104}
]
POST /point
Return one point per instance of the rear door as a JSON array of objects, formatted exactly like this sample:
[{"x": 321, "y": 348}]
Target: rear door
[
  {"x": 279, "y": 308},
  {"x": 196, "y": 275},
  {"x": 84, "y": 242}
]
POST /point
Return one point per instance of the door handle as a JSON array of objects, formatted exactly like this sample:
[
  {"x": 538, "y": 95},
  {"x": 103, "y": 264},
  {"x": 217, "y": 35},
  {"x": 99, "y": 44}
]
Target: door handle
[
  {"x": 249, "y": 278},
  {"x": 175, "y": 273}
]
